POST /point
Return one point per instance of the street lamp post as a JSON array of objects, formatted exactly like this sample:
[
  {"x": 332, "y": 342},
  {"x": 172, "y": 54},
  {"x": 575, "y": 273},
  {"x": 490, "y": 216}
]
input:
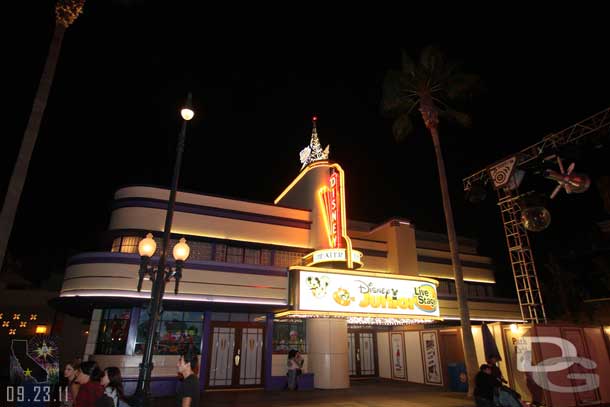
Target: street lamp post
[{"x": 161, "y": 274}]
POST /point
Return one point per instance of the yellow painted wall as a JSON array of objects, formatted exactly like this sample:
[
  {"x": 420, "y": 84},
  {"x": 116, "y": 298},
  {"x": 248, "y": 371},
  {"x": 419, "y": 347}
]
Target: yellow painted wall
[
  {"x": 213, "y": 201},
  {"x": 436, "y": 270},
  {"x": 482, "y": 310},
  {"x": 210, "y": 226}
]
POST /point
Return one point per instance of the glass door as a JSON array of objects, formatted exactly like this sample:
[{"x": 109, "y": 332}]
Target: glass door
[
  {"x": 362, "y": 353},
  {"x": 236, "y": 355}
]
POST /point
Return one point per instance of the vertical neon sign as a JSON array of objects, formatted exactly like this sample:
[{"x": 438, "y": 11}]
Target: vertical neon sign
[
  {"x": 331, "y": 209},
  {"x": 335, "y": 215}
]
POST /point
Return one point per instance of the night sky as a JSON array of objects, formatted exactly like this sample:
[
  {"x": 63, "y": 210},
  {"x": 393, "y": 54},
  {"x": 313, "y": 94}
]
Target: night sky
[{"x": 257, "y": 76}]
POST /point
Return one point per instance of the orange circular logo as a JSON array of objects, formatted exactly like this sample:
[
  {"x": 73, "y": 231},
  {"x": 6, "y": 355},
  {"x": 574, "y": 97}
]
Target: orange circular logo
[{"x": 425, "y": 298}]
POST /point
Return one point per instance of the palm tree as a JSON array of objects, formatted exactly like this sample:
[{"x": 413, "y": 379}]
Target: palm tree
[
  {"x": 66, "y": 12},
  {"x": 427, "y": 86}
]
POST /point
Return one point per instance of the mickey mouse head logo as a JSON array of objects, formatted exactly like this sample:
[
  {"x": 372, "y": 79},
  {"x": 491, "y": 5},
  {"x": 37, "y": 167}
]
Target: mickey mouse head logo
[{"x": 318, "y": 285}]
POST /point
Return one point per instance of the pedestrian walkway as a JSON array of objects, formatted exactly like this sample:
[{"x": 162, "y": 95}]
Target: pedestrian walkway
[{"x": 362, "y": 393}]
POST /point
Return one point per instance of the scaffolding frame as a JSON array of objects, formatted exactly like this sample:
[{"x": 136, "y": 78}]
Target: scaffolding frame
[
  {"x": 521, "y": 258},
  {"x": 517, "y": 239}
]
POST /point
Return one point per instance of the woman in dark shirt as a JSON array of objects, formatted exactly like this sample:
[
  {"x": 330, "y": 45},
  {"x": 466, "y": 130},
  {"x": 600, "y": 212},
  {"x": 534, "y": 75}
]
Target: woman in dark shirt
[{"x": 485, "y": 387}]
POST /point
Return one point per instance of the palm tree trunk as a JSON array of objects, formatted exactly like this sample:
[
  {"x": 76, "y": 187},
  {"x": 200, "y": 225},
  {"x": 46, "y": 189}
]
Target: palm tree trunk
[
  {"x": 462, "y": 298},
  {"x": 20, "y": 171}
]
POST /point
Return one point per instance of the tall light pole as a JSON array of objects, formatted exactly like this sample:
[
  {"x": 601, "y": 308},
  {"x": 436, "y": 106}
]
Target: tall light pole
[{"x": 161, "y": 274}]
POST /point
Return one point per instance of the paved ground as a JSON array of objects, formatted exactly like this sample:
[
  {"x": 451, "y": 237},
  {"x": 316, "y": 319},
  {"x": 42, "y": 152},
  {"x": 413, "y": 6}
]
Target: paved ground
[{"x": 370, "y": 393}]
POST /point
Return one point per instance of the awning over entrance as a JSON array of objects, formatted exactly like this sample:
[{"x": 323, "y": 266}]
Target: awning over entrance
[{"x": 361, "y": 297}]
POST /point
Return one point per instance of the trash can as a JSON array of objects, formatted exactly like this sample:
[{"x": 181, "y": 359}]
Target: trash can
[{"x": 458, "y": 379}]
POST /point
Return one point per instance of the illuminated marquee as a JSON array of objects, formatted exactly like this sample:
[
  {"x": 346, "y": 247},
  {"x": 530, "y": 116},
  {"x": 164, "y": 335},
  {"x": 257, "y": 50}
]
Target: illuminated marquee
[
  {"x": 330, "y": 197},
  {"x": 364, "y": 294}
]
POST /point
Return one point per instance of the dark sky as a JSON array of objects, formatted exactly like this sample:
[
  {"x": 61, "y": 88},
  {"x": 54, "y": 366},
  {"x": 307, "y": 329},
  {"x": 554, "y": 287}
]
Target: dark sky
[{"x": 257, "y": 76}]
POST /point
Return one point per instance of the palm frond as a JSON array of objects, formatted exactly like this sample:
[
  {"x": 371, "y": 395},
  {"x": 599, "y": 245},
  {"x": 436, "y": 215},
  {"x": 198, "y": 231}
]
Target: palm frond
[
  {"x": 430, "y": 80},
  {"x": 397, "y": 98},
  {"x": 402, "y": 127}
]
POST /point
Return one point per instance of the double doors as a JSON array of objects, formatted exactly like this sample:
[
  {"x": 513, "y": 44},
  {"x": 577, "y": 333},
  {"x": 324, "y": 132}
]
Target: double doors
[
  {"x": 362, "y": 353},
  {"x": 236, "y": 355}
]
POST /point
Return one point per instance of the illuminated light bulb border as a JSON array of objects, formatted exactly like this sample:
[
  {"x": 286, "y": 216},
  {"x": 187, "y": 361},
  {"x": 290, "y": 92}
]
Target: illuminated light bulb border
[
  {"x": 386, "y": 321},
  {"x": 366, "y": 319}
]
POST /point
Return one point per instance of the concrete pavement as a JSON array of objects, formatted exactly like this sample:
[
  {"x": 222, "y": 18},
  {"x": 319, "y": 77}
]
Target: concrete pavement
[{"x": 362, "y": 393}]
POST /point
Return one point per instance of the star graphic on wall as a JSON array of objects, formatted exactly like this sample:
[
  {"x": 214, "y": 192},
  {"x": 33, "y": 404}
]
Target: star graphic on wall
[
  {"x": 44, "y": 351},
  {"x": 33, "y": 317},
  {"x": 1, "y": 315},
  {"x": 12, "y": 331},
  {"x": 27, "y": 372},
  {"x": 23, "y": 324},
  {"x": 5, "y": 324},
  {"x": 16, "y": 316}
]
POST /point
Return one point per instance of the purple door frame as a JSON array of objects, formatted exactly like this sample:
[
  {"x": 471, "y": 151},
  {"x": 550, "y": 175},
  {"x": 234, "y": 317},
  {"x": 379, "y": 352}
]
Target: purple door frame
[{"x": 205, "y": 349}]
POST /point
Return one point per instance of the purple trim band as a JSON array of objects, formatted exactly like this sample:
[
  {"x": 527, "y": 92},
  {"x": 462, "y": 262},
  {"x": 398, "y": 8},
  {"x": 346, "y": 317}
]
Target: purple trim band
[
  {"x": 159, "y": 386},
  {"x": 268, "y": 351},
  {"x": 304, "y": 382},
  {"x": 210, "y": 211},
  {"x": 205, "y": 349},
  {"x": 128, "y": 258}
]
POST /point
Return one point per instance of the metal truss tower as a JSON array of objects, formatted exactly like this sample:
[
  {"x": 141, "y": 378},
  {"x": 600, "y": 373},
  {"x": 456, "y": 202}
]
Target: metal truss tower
[{"x": 504, "y": 176}]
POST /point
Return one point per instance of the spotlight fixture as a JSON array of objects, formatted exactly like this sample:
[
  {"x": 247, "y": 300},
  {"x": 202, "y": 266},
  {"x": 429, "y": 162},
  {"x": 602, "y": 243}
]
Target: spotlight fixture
[
  {"x": 534, "y": 216},
  {"x": 573, "y": 183}
]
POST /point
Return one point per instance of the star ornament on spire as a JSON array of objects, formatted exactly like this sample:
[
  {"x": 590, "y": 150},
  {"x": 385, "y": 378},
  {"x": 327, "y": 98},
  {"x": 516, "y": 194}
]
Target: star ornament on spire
[{"x": 313, "y": 152}]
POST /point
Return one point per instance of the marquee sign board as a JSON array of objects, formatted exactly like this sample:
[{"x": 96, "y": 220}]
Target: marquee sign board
[
  {"x": 333, "y": 255},
  {"x": 363, "y": 293}
]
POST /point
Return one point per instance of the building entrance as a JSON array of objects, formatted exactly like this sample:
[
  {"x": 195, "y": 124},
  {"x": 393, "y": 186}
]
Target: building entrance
[
  {"x": 236, "y": 355},
  {"x": 362, "y": 353}
]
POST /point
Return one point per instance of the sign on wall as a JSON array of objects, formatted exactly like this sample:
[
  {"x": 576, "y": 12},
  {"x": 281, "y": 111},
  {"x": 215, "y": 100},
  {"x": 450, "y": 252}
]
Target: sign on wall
[
  {"x": 398, "y": 356},
  {"x": 320, "y": 291},
  {"x": 430, "y": 352},
  {"x": 333, "y": 255}
]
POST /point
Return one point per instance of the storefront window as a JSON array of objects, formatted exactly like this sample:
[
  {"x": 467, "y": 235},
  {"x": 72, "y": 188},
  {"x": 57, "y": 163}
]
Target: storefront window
[
  {"x": 125, "y": 244},
  {"x": 252, "y": 256},
  {"x": 177, "y": 329},
  {"x": 289, "y": 335},
  {"x": 114, "y": 328},
  {"x": 284, "y": 258},
  {"x": 235, "y": 254}
]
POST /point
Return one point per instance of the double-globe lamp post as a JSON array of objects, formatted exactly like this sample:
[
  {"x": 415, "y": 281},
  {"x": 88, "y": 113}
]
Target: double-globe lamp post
[{"x": 162, "y": 272}]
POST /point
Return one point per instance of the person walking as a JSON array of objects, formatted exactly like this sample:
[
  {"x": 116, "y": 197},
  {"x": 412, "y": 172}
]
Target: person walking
[{"x": 187, "y": 393}]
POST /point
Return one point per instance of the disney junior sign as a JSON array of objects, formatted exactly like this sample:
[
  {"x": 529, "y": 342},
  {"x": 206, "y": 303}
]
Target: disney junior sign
[
  {"x": 367, "y": 294},
  {"x": 569, "y": 356}
]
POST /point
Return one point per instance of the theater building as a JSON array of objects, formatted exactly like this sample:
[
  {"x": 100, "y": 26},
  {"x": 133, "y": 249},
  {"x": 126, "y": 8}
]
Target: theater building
[{"x": 356, "y": 298}]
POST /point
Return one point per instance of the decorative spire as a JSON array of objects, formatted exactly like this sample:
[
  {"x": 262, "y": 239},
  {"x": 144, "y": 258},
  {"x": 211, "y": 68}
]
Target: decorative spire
[
  {"x": 67, "y": 11},
  {"x": 313, "y": 152}
]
